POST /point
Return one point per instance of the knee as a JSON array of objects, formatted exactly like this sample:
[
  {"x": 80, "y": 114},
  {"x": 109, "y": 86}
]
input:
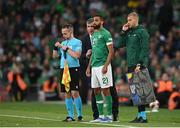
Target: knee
[
  {"x": 68, "y": 95},
  {"x": 106, "y": 91},
  {"x": 75, "y": 94},
  {"x": 97, "y": 91}
]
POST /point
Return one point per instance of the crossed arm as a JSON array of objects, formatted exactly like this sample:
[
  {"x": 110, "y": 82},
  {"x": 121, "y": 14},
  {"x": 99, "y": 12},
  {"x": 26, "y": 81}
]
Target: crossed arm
[{"x": 75, "y": 54}]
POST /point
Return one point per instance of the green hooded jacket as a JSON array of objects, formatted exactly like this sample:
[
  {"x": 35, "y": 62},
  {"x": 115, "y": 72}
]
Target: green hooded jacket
[{"x": 136, "y": 41}]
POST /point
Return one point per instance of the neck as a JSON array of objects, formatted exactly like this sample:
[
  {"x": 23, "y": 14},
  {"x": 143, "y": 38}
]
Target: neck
[
  {"x": 136, "y": 25},
  {"x": 90, "y": 33},
  {"x": 70, "y": 37},
  {"x": 98, "y": 28}
]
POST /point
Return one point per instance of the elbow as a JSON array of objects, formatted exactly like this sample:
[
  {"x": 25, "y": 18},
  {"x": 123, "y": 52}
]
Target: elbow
[
  {"x": 77, "y": 56},
  {"x": 112, "y": 53},
  {"x": 55, "y": 56}
]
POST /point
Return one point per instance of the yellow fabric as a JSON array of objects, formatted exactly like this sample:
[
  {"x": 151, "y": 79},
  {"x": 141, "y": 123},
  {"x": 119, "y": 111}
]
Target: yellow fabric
[
  {"x": 129, "y": 75},
  {"x": 66, "y": 78}
]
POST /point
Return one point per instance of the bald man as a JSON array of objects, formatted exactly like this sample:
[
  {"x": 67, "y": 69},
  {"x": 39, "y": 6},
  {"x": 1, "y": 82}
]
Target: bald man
[{"x": 136, "y": 40}]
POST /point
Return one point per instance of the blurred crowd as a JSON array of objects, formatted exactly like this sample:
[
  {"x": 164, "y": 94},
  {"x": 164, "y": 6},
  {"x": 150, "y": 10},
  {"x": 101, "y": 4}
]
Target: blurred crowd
[{"x": 28, "y": 29}]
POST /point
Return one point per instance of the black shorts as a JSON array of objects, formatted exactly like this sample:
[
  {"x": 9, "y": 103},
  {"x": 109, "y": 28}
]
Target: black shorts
[{"x": 74, "y": 84}]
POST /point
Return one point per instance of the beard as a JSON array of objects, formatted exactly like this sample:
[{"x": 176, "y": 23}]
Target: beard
[{"x": 97, "y": 26}]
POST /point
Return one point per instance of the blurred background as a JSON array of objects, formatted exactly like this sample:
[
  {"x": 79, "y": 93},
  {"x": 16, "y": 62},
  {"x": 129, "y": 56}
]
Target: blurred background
[{"x": 29, "y": 28}]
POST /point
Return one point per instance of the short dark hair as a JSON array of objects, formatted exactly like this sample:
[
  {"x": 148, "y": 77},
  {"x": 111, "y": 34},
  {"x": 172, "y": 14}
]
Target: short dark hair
[
  {"x": 90, "y": 20},
  {"x": 68, "y": 26},
  {"x": 101, "y": 16}
]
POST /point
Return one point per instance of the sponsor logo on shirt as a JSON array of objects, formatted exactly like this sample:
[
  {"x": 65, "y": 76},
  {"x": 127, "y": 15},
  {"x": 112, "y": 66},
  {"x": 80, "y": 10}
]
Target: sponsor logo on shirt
[{"x": 99, "y": 37}]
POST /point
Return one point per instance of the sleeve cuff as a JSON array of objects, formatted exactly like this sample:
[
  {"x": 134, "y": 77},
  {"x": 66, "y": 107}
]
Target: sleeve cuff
[{"x": 55, "y": 48}]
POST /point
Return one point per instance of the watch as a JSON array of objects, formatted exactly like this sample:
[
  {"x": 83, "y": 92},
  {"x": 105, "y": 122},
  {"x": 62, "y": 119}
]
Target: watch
[{"x": 67, "y": 49}]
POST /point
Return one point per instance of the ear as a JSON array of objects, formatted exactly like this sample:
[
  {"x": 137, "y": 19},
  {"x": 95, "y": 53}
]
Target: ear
[{"x": 102, "y": 22}]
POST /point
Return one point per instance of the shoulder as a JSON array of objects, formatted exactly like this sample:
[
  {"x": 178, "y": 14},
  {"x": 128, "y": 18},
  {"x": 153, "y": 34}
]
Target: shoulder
[
  {"x": 76, "y": 40},
  {"x": 85, "y": 36},
  {"x": 142, "y": 31},
  {"x": 105, "y": 31}
]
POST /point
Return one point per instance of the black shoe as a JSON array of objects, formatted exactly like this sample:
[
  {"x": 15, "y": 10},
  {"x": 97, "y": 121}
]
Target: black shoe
[
  {"x": 115, "y": 118},
  {"x": 141, "y": 120},
  {"x": 138, "y": 120},
  {"x": 80, "y": 118},
  {"x": 68, "y": 119},
  {"x": 95, "y": 117}
]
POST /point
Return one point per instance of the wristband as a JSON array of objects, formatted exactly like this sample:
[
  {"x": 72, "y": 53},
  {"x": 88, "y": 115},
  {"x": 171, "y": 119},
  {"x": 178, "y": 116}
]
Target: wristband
[
  {"x": 67, "y": 49},
  {"x": 123, "y": 32},
  {"x": 55, "y": 48}
]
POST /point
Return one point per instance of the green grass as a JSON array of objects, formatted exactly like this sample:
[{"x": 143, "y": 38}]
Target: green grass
[{"x": 35, "y": 114}]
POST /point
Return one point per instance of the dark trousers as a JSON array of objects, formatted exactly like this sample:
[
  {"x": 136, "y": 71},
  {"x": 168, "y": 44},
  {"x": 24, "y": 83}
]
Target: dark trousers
[
  {"x": 115, "y": 103},
  {"x": 163, "y": 98},
  {"x": 84, "y": 87},
  {"x": 85, "y": 82}
]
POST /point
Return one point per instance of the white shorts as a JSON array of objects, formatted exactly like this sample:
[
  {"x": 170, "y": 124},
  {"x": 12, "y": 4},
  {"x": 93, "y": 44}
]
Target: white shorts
[{"x": 101, "y": 80}]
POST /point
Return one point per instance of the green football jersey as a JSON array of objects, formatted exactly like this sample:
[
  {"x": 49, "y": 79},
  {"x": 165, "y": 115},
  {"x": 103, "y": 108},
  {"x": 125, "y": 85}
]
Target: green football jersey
[{"x": 100, "y": 39}]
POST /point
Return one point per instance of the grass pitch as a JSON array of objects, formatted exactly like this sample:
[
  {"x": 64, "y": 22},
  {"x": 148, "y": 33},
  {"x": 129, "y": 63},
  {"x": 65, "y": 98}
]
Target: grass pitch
[{"x": 36, "y": 114}]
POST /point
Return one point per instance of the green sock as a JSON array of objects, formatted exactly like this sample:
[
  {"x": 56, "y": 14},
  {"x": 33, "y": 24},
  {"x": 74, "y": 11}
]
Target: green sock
[
  {"x": 109, "y": 105},
  {"x": 99, "y": 102}
]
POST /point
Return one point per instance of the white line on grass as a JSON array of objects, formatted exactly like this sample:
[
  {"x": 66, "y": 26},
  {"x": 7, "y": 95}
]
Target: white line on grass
[
  {"x": 110, "y": 124},
  {"x": 28, "y": 117},
  {"x": 48, "y": 119}
]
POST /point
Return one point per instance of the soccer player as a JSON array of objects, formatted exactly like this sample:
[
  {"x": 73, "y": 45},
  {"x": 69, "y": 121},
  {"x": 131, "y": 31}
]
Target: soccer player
[
  {"x": 70, "y": 52},
  {"x": 86, "y": 53},
  {"x": 136, "y": 40},
  {"x": 101, "y": 78}
]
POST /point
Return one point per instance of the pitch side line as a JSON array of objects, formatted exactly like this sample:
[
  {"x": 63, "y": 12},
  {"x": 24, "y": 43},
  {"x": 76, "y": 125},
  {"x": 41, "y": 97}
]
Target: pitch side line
[
  {"x": 47, "y": 119},
  {"x": 110, "y": 124},
  {"x": 28, "y": 117}
]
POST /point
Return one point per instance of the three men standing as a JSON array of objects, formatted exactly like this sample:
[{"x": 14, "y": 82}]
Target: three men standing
[{"x": 134, "y": 37}]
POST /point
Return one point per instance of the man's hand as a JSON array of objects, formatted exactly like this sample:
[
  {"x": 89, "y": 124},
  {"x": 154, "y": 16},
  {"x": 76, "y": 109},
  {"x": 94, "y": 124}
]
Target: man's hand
[
  {"x": 104, "y": 69},
  {"x": 137, "y": 69},
  {"x": 88, "y": 54},
  {"x": 125, "y": 27},
  {"x": 57, "y": 44},
  {"x": 64, "y": 48},
  {"x": 88, "y": 72}
]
